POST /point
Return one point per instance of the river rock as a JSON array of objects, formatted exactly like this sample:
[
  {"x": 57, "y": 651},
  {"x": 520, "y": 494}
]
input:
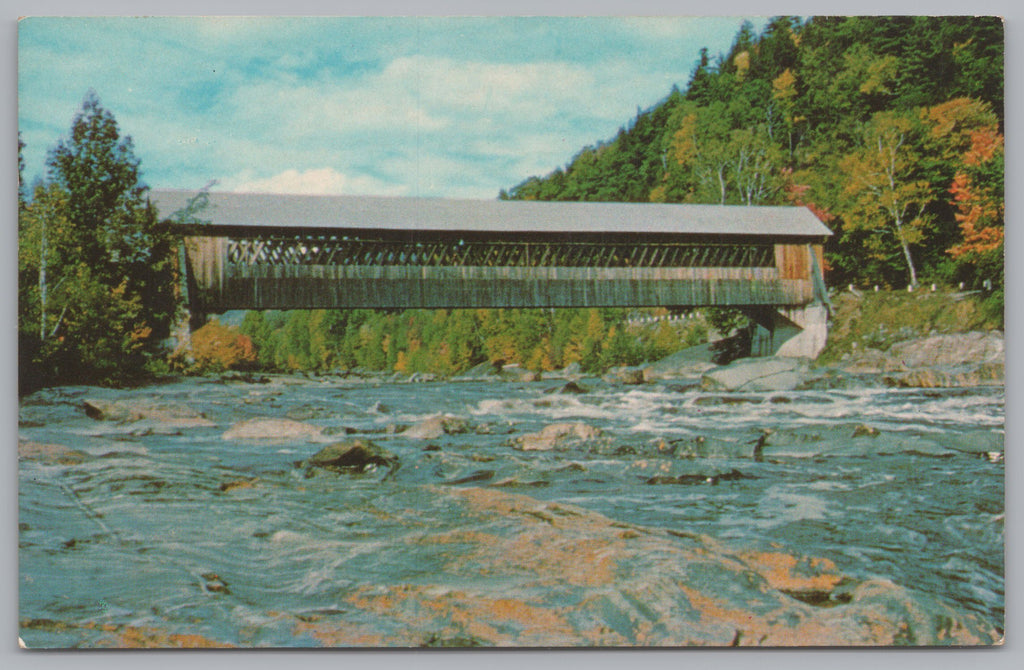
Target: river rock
[
  {"x": 938, "y": 361},
  {"x": 871, "y": 362},
  {"x": 352, "y": 456},
  {"x": 757, "y": 374},
  {"x": 691, "y": 479},
  {"x": 569, "y": 388},
  {"x": 958, "y": 377},
  {"x": 54, "y": 454},
  {"x": 435, "y": 427},
  {"x": 272, "y": 429},
  {"x": 950, "y": 349},
  {"x": 625, "y": 375},
  {"x": 691, "y": 362},
  {"x": 128, "y": 410},
  {"x": 558, "y": 435}
]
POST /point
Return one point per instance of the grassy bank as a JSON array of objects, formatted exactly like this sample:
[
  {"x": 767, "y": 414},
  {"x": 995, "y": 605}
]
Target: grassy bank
[{"x": 877, "y": 320}]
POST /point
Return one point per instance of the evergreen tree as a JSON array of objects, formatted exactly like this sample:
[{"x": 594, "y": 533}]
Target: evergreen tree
[{"x": 106, "y": 293}]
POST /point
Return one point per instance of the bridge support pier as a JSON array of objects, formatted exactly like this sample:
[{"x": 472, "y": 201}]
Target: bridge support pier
[{"x": 789, "y": 332}]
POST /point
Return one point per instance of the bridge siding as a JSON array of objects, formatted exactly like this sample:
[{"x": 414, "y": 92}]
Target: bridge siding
[
  {"x": 223, "y": 285},
  {"x": 332, "y": 287}
]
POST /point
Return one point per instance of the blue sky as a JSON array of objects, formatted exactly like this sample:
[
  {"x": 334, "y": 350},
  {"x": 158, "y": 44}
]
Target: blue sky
[{"x": 431, "y": 106}]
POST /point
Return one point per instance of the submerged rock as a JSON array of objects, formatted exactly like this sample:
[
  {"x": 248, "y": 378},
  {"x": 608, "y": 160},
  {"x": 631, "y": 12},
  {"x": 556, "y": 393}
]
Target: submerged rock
[
  {"x": 691, "y": 479},
  {"x": 272, "y": 429},
  {"x": 709, "y": 447},
  {"x": 478, "y": 476},
  {"x": 863, "y": 430},
  {"x": 236, "y": 484}
]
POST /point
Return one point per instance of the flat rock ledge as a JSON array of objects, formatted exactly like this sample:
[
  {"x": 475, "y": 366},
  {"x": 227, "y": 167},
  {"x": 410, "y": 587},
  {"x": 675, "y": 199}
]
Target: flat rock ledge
[{"x": 538, "y": 574}]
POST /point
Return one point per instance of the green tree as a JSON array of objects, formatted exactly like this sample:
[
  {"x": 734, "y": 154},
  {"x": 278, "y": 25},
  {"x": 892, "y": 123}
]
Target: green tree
[{"x": 105, "y": 293}]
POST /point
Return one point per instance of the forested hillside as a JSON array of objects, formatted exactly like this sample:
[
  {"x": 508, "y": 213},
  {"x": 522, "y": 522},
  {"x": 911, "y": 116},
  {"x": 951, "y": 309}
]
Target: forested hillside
[{"x": 889, "y": 128}]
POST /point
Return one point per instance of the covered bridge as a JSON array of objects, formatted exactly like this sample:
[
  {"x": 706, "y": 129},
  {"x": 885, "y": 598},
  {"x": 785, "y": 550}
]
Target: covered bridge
[{"x": 264, "y": 251}]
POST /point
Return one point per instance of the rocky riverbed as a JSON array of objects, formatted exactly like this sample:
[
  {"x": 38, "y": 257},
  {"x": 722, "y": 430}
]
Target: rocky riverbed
[{"x": 755, "y": 504}]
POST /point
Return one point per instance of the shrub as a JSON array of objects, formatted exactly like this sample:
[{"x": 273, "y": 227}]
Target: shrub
[{"x": 216, "y": 348}]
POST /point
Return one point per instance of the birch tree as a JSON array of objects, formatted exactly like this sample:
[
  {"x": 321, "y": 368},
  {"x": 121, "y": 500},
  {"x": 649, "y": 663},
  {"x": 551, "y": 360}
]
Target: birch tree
[{"x": 884, "y": 195}]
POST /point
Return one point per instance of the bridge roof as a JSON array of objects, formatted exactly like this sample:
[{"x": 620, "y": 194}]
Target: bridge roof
[{"x": 399, "y": 214}]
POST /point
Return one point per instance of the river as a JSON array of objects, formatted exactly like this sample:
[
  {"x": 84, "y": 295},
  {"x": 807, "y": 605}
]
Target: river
[{"x": 663, "y": 515}]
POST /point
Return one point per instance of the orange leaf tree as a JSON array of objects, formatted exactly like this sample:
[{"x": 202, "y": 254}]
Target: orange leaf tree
[{"x": 966, "y": 133}]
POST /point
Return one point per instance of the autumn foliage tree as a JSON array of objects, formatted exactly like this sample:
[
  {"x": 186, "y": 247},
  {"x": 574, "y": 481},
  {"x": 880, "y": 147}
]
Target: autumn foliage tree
[
  {"x": 977, "y": 191},
  {"x": 216, "y": 348},
  {"x": 965, "y": 135}
]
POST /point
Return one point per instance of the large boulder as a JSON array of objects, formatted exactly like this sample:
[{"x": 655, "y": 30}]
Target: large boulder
[
  {"x": 352, "y": 456},
  {"x": 569, "y": 388},
  {"x": 622, "y": 585},
  {"x": 757, "y": 374},
  {"x": 499, "y": 370}
]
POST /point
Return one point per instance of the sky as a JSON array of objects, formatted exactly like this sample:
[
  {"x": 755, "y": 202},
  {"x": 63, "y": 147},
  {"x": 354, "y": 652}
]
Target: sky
[{"x": 414, "y": 106}]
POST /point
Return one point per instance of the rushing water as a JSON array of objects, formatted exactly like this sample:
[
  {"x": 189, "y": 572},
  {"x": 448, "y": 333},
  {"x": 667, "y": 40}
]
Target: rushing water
[{"x": 176, "y": 528}]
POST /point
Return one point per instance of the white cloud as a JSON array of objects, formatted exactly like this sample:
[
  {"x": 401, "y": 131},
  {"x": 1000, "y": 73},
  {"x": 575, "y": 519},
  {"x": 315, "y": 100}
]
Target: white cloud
[
  {"x": 449, "y": 107},
  {"x": 316, "y": 181}
]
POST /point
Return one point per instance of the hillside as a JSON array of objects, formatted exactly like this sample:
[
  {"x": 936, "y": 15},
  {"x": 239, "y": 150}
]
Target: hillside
[{"x": 889, "y": 128}]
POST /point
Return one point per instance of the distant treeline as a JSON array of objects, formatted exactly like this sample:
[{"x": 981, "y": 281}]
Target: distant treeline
[{"x": 441, "y": 341}]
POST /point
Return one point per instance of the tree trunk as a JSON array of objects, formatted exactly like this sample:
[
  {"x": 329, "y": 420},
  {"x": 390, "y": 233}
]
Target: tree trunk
[
  {"x": 42, "y": 283},
  {"x": 906, "y": 253}
]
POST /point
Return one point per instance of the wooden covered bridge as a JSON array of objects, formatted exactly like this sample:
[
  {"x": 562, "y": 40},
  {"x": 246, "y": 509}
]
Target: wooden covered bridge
[{"x": 263, "y": 251}]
